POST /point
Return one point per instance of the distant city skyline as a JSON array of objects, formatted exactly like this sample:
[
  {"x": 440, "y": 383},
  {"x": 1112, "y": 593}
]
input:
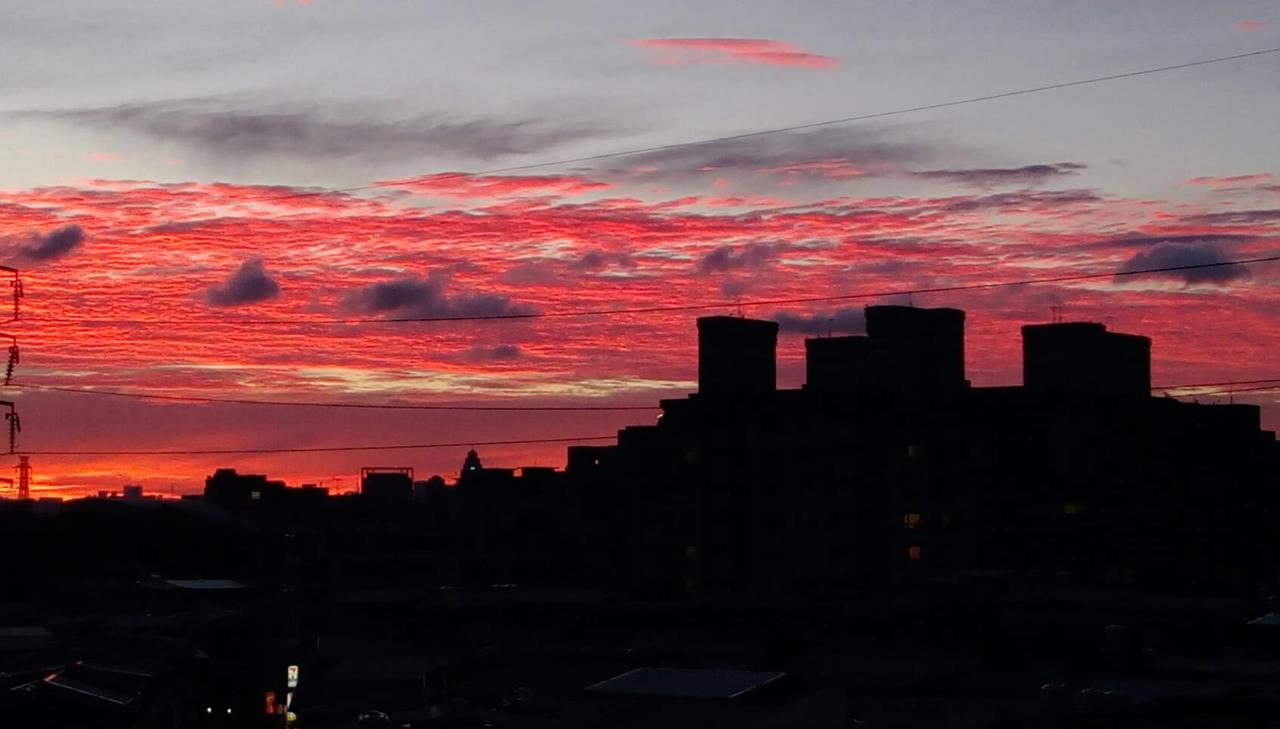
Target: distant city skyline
[{"x": 148, "y": 153}]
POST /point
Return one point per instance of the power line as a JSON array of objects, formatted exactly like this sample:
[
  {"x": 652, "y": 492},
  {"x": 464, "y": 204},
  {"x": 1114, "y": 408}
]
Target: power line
[
  {"x": 625, "y": 311},
  {"x": 1268, "y": 383},
  {"x": 815, "y": 124},
  {"x": 319, "y": 404},
  {"x": 419, "y": 446},
  {"x": 883, "y": 114},
  {"x": 329, "y": 449},
  {"x": 1218, "y": 384}
]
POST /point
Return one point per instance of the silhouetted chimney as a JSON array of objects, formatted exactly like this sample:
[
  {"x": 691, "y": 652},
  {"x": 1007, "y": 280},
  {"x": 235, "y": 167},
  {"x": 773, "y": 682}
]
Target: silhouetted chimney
[
  {"x": 736, "y": 356},
  {"x": 1083, "y": 358}
]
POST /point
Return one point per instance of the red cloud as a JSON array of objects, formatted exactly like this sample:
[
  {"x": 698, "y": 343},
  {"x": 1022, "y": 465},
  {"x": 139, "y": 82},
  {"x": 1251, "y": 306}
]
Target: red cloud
[
  {"x": 153, "y": 246},
  {"x": 680, "y": 51},
  {"x": 1251, "y": 26}
]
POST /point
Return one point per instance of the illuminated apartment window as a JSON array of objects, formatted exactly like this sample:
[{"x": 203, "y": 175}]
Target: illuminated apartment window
[
  {"x": 690, "y": 552},
  {"x": 946, "y": 520},
  {"x": 255, "y": 495},
  {"x": 1072, "y": 509},
  {"x": 913, "y": 451},
  {"x": 913, "y": 553},
  {"x": 911, "y": 521}
]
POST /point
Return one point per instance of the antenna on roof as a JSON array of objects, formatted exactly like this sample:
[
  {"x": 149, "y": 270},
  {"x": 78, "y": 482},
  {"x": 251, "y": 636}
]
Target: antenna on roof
[{"x": 1056, "y": 310}]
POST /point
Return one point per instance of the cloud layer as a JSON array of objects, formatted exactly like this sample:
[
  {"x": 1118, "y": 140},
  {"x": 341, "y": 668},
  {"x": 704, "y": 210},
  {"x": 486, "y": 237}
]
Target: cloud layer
[{"x": 506, "y": 245}]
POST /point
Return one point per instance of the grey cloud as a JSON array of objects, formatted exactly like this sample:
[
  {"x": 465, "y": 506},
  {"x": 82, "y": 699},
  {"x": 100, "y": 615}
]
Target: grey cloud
[
  {"x": 427, "y": 297},
  {"x": 993, "y": 176},
  {"x": 864, "y": 145},
  {"x": 312, "y": 133},
  {"x": 1143, "y": 241},
  {"x": 1238, "y": 217},
  {"x": 498, "y": 353},
  {"x": 729, "y": 258},
  {"x": 1165, "y": 255},
  {"x": 597, "y": 259},
  {"x": 53, "y": 245},
  {"x": 844, "y": 320},
  {"x": 1023, "y": 199},
  {"x": 249, "y": 284}
]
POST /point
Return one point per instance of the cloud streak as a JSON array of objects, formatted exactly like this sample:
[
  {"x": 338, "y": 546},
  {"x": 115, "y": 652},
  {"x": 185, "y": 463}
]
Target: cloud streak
[
  {"x": 720, "y": 51},
  {"x": 315, "y": 133},
  {"x": 984, "y": 177}
]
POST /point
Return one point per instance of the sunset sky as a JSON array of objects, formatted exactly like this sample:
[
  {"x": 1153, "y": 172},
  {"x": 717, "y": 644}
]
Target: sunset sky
[{"x": 169, "y": 170}]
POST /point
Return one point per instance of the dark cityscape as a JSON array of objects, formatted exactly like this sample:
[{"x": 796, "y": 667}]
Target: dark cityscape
[
  {"x": 886, "y": 544},
  {"x": 832, "y": 364}
]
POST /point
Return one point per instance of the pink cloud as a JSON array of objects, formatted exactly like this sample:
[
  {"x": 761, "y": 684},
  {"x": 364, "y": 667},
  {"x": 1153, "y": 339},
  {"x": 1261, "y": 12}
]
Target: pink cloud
[
  {"x": 685, "y": 51},
  {"x": 1232, "y": 181},
  {"x": 1251, "y": 26},
  {"x": 552, "y": 252},
  {"x": 834, "y": 169},
  {"x": 101, "y": 157}
]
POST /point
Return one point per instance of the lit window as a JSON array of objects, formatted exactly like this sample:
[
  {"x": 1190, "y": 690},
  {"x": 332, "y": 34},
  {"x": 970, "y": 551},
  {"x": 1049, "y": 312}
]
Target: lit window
[
  {"x": 913, "y": 451},
  {"x": 1071, "y": 509},
  {"x": 690, "y": 552},
  {"x": 911, "y": 521},
  {"x": 913, "y": 553},
  {"x": 255, "y": 495}
]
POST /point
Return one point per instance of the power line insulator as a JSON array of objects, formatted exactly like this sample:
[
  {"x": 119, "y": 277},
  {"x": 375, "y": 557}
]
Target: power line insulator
[
  {"x": 15, "y": 425},
  {"x": 17, "y": 295},
  {"x": 13, "y": 362}
]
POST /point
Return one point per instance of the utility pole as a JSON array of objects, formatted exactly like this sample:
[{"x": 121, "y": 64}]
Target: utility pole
[
  {"x": 24, "y": 477},
  {"x": 15, "y": 425}
]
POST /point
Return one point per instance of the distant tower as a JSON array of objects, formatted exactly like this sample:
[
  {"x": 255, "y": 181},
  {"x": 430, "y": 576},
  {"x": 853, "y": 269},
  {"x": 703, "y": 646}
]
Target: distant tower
[
  {"x": 24, "y": 477},
  {"x": 471, "y": 466}
]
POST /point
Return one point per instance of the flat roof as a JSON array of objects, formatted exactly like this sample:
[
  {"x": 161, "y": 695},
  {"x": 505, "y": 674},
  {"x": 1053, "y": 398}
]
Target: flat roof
[
  {"x": 1268, "y": 619},
  {"x": 687, "y": 683},
  {"x": 217, "y": 584}
]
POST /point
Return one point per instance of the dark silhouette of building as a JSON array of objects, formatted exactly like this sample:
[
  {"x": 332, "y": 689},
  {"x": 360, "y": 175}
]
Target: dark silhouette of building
[
  {"x": 228, "y": 488},
  {"x": 736, "y": 357},
  {"x": 471, "y": 466},
  {"x": 888, "y": 468},
  {"x": 1083, "y": 359},
  {"x": 908, "y": 352},
  {"x": 388, "y": 485}
]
